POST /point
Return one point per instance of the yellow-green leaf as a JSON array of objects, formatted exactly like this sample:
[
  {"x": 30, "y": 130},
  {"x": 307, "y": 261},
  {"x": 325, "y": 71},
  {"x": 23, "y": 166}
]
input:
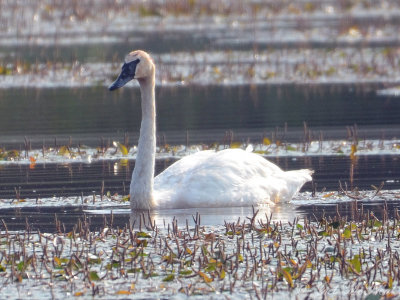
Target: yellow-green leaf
[
  {"x": 222, "y": 274},
  {"x": 121, "y": 148},
  {"x": 290, "y": 148},
  {"x": 142, "y": 234},
  {"x": 347, "y": 233},
  {"x": 123, "y": 292},
  {"x": 288, "y": 278},
  {"x": 355, "y": 263},
  {"x": 235, "y": 145},
  {"x": 63, "y": 150},
  {"x": 185, "y": 272},
  {"x": 390, "y": 282},
  {"x": 168, "y": 278},
  {"x": 205, "y": 277},
  {"x": 328, "y": 195},
  {"x": 266, "y": 141},
  {"x": 57, "y": 261}
]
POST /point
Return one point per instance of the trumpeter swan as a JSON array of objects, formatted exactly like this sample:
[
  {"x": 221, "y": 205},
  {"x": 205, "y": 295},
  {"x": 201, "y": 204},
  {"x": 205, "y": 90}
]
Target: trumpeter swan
[{"x": 231, "y": 177}]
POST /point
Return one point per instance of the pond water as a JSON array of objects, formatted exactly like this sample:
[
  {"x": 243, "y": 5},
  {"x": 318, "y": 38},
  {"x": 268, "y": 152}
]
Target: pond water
[
  {"x": 86, "y": 115},
  {"x": 44, "y": 218},
  {"x": 76, "y": 179},
  {"x": 193, "y": 115}
]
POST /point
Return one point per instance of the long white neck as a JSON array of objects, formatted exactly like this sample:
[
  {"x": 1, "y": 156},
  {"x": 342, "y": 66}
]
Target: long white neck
[{"x": 141, "y": 190}]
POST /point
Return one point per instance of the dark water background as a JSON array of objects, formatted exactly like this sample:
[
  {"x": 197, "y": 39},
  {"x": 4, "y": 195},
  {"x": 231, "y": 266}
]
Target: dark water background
[{"x": 88, "y": 114}]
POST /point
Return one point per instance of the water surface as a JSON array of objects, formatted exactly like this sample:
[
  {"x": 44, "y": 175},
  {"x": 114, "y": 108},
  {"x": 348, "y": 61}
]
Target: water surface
[{"x": 86, "y": 115}]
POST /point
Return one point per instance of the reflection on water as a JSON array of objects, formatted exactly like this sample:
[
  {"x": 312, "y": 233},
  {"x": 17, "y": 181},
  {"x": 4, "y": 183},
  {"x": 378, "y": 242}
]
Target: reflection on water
[{"x": 43, "y": 219}]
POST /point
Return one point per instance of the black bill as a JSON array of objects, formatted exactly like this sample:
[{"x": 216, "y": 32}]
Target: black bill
[{"x": 127, "y": 74}]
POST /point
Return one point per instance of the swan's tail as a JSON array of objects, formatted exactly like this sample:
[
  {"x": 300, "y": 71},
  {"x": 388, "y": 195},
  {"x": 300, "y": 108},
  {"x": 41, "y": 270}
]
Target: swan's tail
[{"x": 295, "y": 180}]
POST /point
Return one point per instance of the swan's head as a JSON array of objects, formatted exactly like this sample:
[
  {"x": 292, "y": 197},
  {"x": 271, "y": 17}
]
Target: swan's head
[{"x": 138, "y": 65}]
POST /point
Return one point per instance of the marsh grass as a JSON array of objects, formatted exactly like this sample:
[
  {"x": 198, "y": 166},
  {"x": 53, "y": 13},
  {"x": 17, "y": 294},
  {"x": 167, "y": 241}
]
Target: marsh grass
[{"x": 256, "y": 257}]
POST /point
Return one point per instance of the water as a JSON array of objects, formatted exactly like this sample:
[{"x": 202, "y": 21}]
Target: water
[
  {"x": 75, "y": 179},
  {"x": 88, "y": 114},
  {"x": 43, "y": 218},
  {"x": 94, "y": 116}
]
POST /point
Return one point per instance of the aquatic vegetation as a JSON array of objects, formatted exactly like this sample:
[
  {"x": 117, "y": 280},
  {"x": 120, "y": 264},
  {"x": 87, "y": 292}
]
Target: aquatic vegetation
[
  {"x": 268, "y": 42},
  {"x": 268, "y": 147},
  {"x": 277, "y": 66},
  {"x": 251, "y": 258}
]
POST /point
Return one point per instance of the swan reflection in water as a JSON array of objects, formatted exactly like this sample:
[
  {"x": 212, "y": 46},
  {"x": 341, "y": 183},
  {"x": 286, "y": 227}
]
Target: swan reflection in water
[{"x": 205, "y": 216}]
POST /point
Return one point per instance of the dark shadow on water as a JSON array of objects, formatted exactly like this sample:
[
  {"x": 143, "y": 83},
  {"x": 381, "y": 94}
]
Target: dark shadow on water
[{"x": 64, "y": 219}]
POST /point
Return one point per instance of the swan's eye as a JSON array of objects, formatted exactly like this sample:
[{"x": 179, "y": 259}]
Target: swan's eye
[{"x": 129, "y": 69}]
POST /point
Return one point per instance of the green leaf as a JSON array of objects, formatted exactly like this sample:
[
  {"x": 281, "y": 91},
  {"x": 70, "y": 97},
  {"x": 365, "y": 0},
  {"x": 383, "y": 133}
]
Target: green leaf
[
  {"x": 2, "y": 269},
  {"x": 21, "y": 266},
  {"x": 94, "y": 261},
  {"x": 134, "y": 270},
  {"x": 211, "y": 267},
  {"x": 290, "y": 148},
  {"x": 168, "y": 278},
  {"x": 347, "y": 233},
  {"x": 355, "y": 263},
  {"x": 323, "y": 233},
  {"x": 299, "y": 226},
  {"x": 185, "y": 272},
  {"x": 142, "y": 234},
  {"x": 93, "y": 276}
]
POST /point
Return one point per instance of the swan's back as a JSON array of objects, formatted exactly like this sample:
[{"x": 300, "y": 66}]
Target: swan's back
[{"x": 231, "y": 177}]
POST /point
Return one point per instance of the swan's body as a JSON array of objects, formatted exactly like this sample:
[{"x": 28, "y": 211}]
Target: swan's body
[{"x": 231, "y": 177}]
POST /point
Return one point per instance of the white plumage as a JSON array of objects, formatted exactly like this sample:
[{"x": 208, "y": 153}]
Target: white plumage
[{"x": 231, "y": 177}]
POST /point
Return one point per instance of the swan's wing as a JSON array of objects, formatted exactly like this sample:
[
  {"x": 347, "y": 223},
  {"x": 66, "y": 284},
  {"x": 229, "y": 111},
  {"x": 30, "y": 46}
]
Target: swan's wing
[
  {"x": 177, "y": 172},
  {"x": 230, "y": 177}
]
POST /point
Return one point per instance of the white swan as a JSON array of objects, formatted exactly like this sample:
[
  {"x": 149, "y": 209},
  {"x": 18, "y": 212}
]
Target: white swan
[{"x": 231, "y": 177}]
